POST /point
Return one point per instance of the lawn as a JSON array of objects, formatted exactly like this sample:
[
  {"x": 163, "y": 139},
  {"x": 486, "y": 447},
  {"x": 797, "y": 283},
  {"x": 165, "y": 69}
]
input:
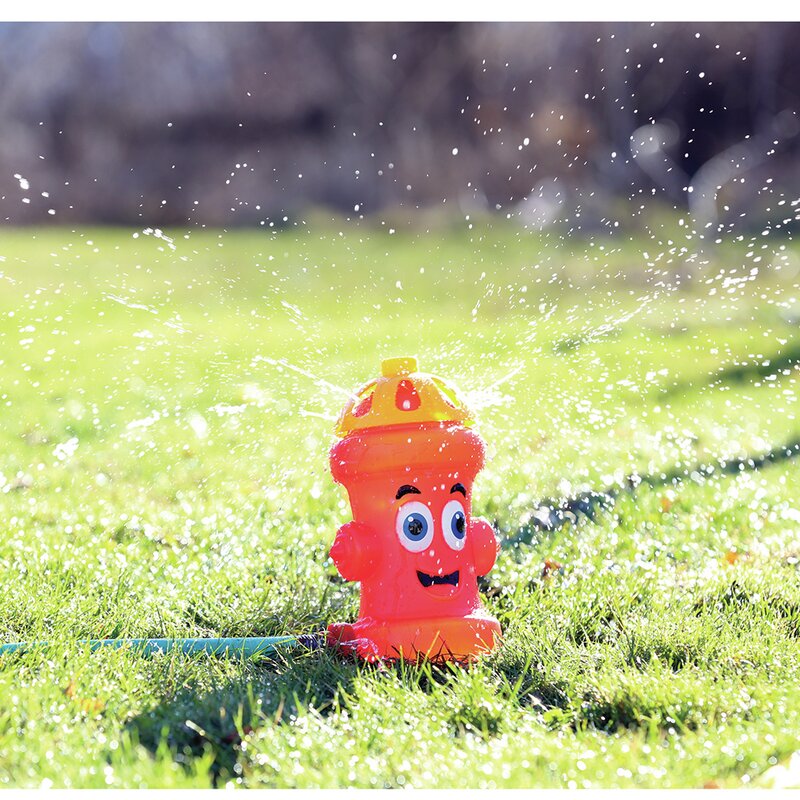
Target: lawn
[{"x": 167, "y": 408}]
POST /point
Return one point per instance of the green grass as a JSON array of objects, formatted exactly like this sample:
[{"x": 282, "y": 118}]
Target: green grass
[{"x": 161, "y": 473}]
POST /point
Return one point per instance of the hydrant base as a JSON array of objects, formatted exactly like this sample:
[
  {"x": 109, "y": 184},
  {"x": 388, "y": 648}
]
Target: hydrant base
[{"x": 448, "y": 639}]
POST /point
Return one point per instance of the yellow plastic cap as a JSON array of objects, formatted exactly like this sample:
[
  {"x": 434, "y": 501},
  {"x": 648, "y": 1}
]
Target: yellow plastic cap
[
  {"x": 401, "y": 396},
  {"x": 398, "y": 367}
]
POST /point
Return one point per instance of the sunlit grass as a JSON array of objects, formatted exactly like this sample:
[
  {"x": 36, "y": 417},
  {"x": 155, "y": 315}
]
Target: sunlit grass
[{"x": 163, "y": 471}]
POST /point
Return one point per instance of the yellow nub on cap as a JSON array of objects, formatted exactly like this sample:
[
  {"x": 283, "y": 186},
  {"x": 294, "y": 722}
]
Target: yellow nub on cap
[
  {"x": 402, "y": 396},
  {"x": 398, "y": 367}
]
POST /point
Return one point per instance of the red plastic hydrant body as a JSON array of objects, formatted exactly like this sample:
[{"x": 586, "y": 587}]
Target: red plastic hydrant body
[{"x": 408, "y": 462}]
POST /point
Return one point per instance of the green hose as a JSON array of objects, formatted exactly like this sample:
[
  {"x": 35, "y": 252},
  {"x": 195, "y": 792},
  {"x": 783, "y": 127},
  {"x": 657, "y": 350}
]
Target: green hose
[{"x": 244, "y": 647}]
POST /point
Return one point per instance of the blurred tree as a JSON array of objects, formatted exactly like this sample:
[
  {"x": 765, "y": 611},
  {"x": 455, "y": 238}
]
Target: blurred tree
[{"x": 222, "y": 124}]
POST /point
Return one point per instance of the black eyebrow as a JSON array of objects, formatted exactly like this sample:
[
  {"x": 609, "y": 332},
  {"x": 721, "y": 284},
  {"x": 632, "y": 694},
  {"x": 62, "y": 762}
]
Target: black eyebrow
[
  {"x": 406, "y": 489},
  {"x": 459, "y": 487}
]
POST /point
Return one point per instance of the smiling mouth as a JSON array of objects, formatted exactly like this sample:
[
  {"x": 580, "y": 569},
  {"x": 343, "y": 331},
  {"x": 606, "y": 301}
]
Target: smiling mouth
[{"x": 437, "y": 580}]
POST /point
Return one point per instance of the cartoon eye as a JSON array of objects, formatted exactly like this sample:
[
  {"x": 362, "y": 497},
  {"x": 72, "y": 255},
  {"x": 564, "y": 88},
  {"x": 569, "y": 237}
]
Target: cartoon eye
[
  {"x": 454, "y": 525},
  {"x": 414, "y": 526}
]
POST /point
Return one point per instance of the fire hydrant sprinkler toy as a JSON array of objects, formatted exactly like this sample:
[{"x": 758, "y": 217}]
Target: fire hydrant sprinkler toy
[{"x": 408, "y": 458}]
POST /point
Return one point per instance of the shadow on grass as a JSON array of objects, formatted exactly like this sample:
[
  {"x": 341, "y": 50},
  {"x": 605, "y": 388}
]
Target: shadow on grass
[
  {"x": 572, "y": 705},
  {"x": 268, "y": 691},
  {"x": 550, "y": 515},
  {"x": 781, "y": 362},
  {"x": 769, "y": 602},
  {"x": 271, "y": 691}
]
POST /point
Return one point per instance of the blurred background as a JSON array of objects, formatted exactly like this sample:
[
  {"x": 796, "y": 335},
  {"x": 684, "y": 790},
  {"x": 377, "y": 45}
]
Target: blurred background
[{"x": 556, "y": 124}]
